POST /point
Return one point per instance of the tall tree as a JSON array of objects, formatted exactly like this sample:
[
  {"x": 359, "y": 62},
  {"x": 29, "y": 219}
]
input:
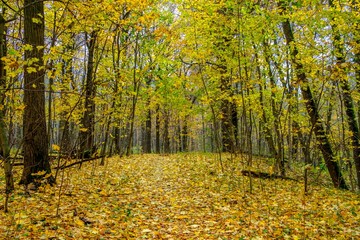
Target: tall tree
[
  {"x": 35, "y": 145},
  {"x": 4, "y": 141},
  {"x": 88, "y": 120},
  {"x": 311, "y": 106},
  {"x": 228, "y": 109}
]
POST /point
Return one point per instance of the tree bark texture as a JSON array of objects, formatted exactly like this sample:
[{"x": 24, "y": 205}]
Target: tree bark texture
[
  {"x": 4, "y": 141},
  {"x": 88, "y": 120},
  {"x": 35, "y": 144}
]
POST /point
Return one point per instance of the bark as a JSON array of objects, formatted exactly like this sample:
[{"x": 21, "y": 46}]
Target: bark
[
  {"x": 117, "y": 140},
  {"x": 157, "y": 130},
  {"x": 106, "y": 140},
  {"x": 166, "y": 132},
  {"x": 88, "y": 120},
  {"x": 4, "y": 141},
  {"x": 35, "y": 145},
  {"x": 311, "y": 107},
  {"x": 228, "y": 114},
  {"x": 184, "y": 135}
]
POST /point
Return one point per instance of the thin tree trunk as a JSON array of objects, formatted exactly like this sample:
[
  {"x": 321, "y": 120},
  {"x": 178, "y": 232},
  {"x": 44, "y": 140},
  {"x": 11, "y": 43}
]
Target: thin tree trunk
[
  {"x": 103, "y": 149},
  {"x": 147, "y": 127},
  {"x": 184, "y": 135},
  {"x": 157, "y": 130},
  {"x": 268, "y": 134},
  {"x": 166, "y": 132}
]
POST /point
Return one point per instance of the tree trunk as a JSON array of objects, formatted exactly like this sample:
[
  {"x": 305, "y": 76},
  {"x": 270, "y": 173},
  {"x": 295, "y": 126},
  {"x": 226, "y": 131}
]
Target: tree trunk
[
  {"x": 166, "y": 132},
  {"x": 311, "y": 107},
  {"x": 88, "y": 120},
  {"x": 227, "y": 115},
  {"x": 35, "y": 143},
  {"x": 184, "y": 135},
  {"x": 157, "y": 130},
  {"x": 106, "y": 140},
  {"x": 4, "y": 141}
]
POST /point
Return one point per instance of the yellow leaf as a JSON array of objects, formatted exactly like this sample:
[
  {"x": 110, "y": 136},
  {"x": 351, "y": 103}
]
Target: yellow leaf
[
  {"x": 40, "y": 173},
  {"x": 56, "y": 147},
  {"x": 79, "y": 222},
  {"x": 31, "y": 70}
]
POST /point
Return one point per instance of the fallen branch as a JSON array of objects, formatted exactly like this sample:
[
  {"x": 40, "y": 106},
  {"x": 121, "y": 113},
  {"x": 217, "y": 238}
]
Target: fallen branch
[
  {"x": 79, "y": 162},
  {"x": 264, "y": 175}
]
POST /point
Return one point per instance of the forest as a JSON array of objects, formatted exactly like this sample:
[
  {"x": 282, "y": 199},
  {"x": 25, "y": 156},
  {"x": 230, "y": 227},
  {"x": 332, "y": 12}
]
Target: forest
[{"x": 180, "y": 119}]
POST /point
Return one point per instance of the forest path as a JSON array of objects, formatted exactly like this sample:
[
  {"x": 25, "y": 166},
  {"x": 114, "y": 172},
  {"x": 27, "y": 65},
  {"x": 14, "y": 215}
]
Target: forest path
[
  {"x": 179, "y": 196},
  {"x": 170, "y": 195}
]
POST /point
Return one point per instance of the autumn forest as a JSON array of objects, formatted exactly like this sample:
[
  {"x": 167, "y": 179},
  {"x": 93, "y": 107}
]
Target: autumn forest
[{"x": 180, "y": 119}]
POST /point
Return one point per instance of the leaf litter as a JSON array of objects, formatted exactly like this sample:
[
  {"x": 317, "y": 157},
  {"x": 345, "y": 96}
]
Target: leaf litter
[{"x": 181, "y": 196}]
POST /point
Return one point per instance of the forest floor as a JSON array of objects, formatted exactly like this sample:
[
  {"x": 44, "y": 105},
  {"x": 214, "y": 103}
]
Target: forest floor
[{"x": 182, "y": 196}]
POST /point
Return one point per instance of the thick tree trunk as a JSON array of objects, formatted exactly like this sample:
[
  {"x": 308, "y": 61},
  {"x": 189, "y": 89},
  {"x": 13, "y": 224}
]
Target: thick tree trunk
[
  {"x": 88, "y": 120},
  {"x": 228, "y": 115},
  {"x": 311, "y": 107},
  {"x": 35, "y": 144},
  {"x": 4, "y": 141}
]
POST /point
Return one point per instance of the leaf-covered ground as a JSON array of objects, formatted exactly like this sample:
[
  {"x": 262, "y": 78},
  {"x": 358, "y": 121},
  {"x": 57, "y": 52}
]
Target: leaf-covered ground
[{"x": 177, "y": 197}]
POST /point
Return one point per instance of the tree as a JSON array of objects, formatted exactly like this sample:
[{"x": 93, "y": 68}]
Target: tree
[
  {"x": 4, "y": 142},
  {"x": 311, "y": 107},
  {"x": 346, "y": 94},
  {"x": 88, "y": 120},
  {"x": 35, "y": 145}
]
